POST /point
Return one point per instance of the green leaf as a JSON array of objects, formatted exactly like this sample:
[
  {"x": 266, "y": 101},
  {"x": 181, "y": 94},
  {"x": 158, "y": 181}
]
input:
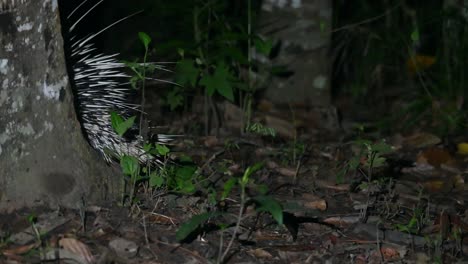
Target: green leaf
[
  {"x": 181, "y": 52},
  {"x": 340, "y": 176},
  {"x": 269, "y": 205},
  {"x": 186, "y": 73},
  {"x": 120, "y": 125},
  {"x": 162, "y": 150},
  {"x": 32, "y": 218},
  {"x": 235, "y": 54},
  {"x": 145, "y": 39},
  {"x": 134, "y": 81},
  {"x": 191, "y": 225},
  {"x": 147, "y": 147},
  {"x": 228, "y": 187},
  {"x": 382, "y": 148},
  {"x": 362, "y": 142},
  {"x": 354, "y": 162},
  {"x": 186, "y": 187},
  {"x": 156, "y": 180},
  {"x": 185, "y": 172},
  {"x": 378, "y": 162},
  {"x": 185, "y": 158},
  {"x": 249, "y": 171},
  {"x": 415, "y": 35},
  {"x": 262, "y": 189},
  {"x": 263, "y": 46},
  {"x": 130, "y": 165},
  {"x": 175, "y": 98},
  {"x": 220, "y": 81},
  {"x": 323, "y": 26},
  {"x": 116, "y": 120}
]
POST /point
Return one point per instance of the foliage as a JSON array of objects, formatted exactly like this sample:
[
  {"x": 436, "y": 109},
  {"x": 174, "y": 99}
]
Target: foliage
[
  {"x": 264, "y": 203},
  {"x": 259, "y": 129},
  {"x": 368, "y": 157},
  {"x": 120, "y": 125},
  {"x": 419, "y": 47},
  {"x": 191, "y": 225},
  {"x": 217, "y": 61}
]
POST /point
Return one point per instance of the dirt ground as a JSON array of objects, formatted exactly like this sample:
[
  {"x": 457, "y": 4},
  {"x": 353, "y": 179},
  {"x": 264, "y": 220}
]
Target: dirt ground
[{"x": 394, "y": 199}]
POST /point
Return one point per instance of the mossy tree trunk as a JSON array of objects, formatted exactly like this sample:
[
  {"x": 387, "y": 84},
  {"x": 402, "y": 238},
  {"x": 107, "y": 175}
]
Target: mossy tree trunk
[{"x": 44, "y": 158}]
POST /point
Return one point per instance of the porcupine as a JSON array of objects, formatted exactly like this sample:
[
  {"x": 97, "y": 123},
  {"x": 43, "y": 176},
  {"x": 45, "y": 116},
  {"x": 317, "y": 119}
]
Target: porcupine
[{"x": 101, "y": 86}]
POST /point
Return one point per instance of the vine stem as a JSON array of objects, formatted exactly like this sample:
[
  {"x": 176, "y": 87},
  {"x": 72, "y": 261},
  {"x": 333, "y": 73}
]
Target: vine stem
[{"x": 236, "y": 229}]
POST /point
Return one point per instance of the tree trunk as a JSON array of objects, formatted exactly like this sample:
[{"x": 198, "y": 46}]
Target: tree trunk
[
  {"x": 44, "y": 158},
  {"x": 304, "y": 29}
]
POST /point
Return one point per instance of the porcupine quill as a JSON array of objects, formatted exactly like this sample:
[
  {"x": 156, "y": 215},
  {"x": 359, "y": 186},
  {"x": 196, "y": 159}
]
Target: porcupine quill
[{"x": 101, "y": 86}]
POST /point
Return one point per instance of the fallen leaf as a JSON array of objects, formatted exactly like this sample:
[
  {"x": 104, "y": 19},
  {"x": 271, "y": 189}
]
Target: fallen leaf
[
  {"x": 342, "y": 221},
  {"x": 434, "y": 156},
  {"x": 77, "y": 247},
  {"x": 210, "y": 141},
  {"x": 417, "y": 63},
  {"x": 19, "y": 250},
  {"x": 286, "y": 171},
  {"x": 462, "y": 148},
  {"x": 389, "y": 254},
  {"x": 435, "y": 186},
  {"x": 265, "y": 105},
  {"x": 260, "y": 253},
  {"x": 421, "y": 140},
  {"x": 319, "y": 205},
  {"x": 160, "y": 219}
]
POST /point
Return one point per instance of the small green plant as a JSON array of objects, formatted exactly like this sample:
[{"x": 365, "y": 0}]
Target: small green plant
[
  {"x": 174, "y": 177},
  {"x": 263, "y": 202},
  {"x": 293, "y": 152},
  {"x": 32, "y": 219},
  {"x": 260, "y": 129},
  {"x": 414, "y": 224},
  {"x": 141, "y": 71},
  {"x": 368, "y": 157},
  {"x": 218, "y": 63},
  {"x": 135, "y": 172},
  {"x": 435, "y": 244},
  {"x": 38, "y": 237},
  {"x": 131, "y": 169}
]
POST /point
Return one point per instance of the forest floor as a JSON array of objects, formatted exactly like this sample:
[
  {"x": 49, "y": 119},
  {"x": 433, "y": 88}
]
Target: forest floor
[{"x": 350, "y": 197}]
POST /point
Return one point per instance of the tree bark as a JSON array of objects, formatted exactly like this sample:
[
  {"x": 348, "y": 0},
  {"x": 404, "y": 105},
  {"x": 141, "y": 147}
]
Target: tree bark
[
  {"x": 44, "y": 158},
  {"x": 304, "y": 29}
]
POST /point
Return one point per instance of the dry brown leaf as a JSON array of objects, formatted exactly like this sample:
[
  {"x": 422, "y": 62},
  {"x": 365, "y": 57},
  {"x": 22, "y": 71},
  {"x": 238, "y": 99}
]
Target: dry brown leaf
[
  {"x": 421, "y": 140},
  {"x": 77, "y": 247},
  {"x": 271, "y": 164},
  {"x": 160, "y": 219},
  {"x": 260, "y": 253},
  {"x": 210, "y": 141},
  {"x": 332, "y": 186},
  {"x": 312, "y": 201},
  {"x": 19, "y": 250},
  {"x": 265, "y": 105},
  {"x": 435, "y": 186},
  {"x": 319, "y": 205},
  {"x": 342, "y": 221},
  {"x": 434, "y": 157},
  {"x": 389, "y": 253},
  {"x": 286, "y": 171}
]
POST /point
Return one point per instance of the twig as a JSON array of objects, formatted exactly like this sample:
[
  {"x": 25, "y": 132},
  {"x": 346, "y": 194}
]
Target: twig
[
  {"x": 366, "y": 20},
  {"x": 379, "y": 247},
  {"x": 236, "y": 229}
]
